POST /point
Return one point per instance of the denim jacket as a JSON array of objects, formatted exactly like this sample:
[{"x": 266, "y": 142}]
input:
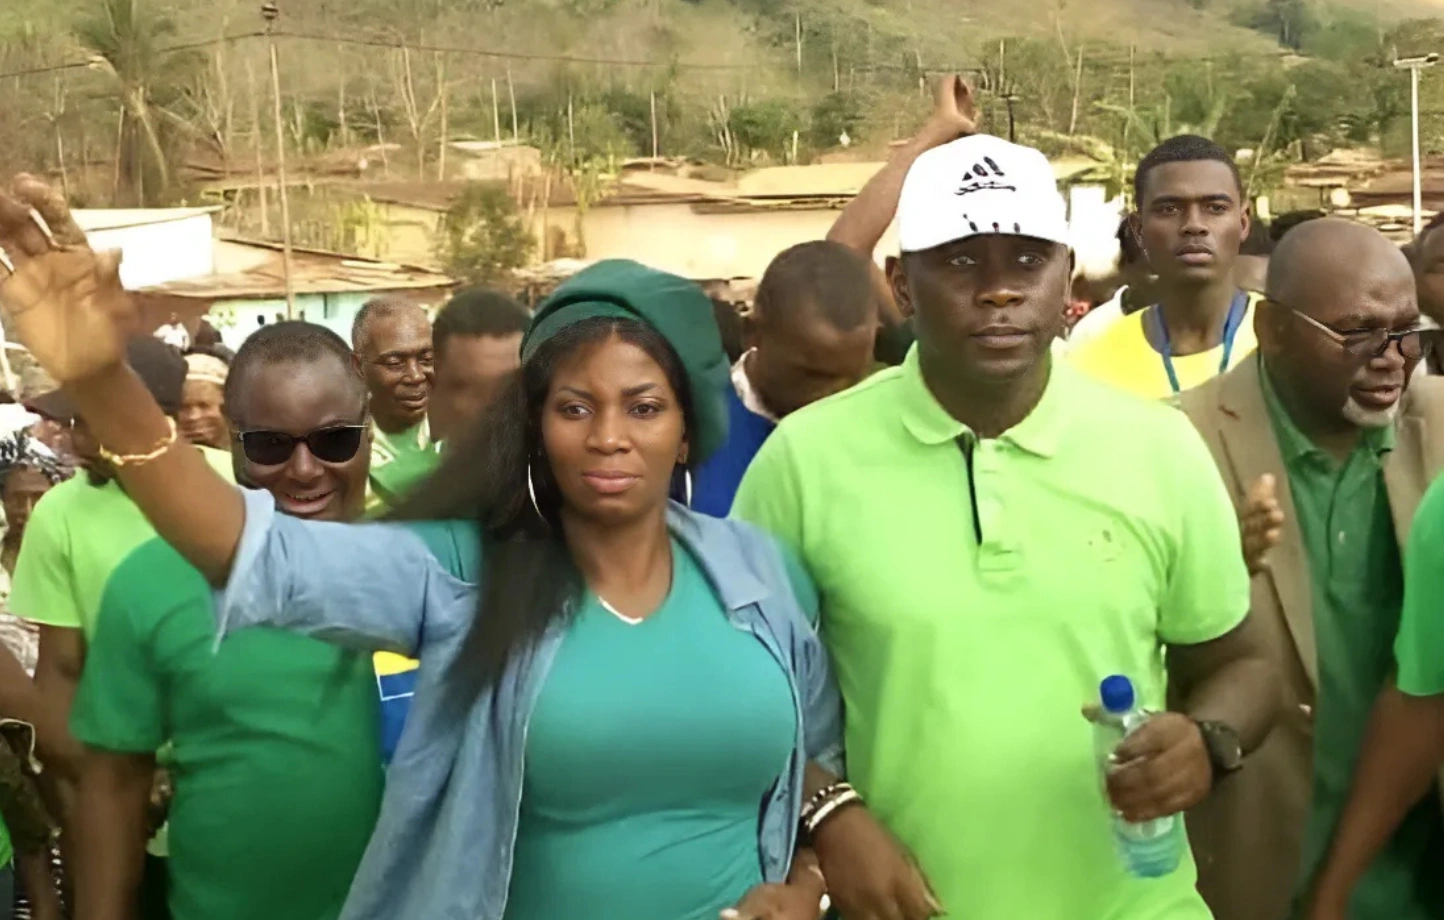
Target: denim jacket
[{"x": 443, "y": 844}]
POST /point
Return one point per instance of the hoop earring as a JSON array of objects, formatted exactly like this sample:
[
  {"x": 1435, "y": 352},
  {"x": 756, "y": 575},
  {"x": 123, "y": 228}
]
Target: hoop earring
[
  {"x": 687, "y": 486},
  {"x": 531, "y": 490}
]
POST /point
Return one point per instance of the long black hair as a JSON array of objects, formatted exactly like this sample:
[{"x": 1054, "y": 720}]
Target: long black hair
[{"x": 529, "y": 579}]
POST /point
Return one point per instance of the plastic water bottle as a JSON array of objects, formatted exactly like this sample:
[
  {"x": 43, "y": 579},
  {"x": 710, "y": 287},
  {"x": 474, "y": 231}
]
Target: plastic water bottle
[{"x": 1149, "y": 849}]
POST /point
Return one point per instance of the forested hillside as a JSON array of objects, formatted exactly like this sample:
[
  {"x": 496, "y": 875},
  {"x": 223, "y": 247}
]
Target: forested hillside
[{"x": 168, "y": 83}]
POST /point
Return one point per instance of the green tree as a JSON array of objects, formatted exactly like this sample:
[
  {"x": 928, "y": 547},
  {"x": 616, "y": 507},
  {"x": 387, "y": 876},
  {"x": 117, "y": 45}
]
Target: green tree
[
  {"x": 482, "y": 237},
  {"x": 834, "y": 115},
  {"x": 766, "y": 126},
  {"x": 1291, "y": 22},
  {"x": 128, "y": 42}
]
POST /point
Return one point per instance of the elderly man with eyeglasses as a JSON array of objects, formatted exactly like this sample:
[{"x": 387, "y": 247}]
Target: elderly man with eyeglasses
[{"x": 1328, "y": 451}]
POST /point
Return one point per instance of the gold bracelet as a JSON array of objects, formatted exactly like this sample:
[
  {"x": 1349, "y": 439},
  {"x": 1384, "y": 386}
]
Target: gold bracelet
[{"x": 123, "y": 460}]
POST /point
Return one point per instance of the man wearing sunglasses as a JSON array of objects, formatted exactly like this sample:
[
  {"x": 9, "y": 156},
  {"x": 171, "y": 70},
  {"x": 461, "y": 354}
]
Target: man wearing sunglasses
[
  {"x": 278, "y": 765},
  {"x": 1327, "y": 452}
]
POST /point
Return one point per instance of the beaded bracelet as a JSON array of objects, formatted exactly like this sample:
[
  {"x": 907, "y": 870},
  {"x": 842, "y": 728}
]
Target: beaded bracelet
[
  {"x": 829, "y": 808},
  {"x": 123, "y": 460}
]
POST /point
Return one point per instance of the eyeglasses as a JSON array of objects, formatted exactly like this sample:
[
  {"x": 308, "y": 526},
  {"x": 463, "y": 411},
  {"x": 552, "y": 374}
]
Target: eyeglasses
[
  {"x": 1368, "y": 344},
  {"x": 336, "y": 444}
]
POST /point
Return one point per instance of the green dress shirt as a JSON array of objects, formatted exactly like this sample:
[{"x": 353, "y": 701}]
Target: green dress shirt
[{"x": 1358, "y": 585}]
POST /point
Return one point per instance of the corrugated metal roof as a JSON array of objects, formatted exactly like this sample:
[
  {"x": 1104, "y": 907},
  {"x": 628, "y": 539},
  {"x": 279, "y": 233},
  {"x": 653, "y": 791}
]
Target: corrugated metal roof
[{"x": 313, "y": 272}]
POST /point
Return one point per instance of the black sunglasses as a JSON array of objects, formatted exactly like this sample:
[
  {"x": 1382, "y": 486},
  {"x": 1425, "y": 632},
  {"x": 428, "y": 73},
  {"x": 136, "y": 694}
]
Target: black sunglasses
[{"x": 336, "y": 444}]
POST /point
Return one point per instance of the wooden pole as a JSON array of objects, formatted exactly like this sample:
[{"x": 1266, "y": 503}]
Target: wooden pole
[
  {"x": 495, "y": 113},
  {"x": 1077, "y": 91},
  {"x": 797, "y": 34},
  {"x": 571, "y": 133},
  {"x": 654, "y": 124},
  {"x": 511, "y": 93},
  {"x": 256, "y": 150},
  {"x": 441, "y": 90},
  {"x": 59, "y": 144},
  {"x": 281, "y": 176}
]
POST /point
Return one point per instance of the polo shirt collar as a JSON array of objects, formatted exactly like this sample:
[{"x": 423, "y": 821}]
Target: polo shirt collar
[
  {"x": 1294, "y": 445},
  {"x": 931, "y": 424}
]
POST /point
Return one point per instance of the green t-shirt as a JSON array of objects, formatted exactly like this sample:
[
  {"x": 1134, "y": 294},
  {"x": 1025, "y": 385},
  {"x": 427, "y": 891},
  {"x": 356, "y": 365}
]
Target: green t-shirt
[
  {"x": 1419, "y": 648},
  {"x": 77, "y": 534},
  {"x": 276, "y": 762},
  {"x": 970, "y": 617},
  {"x": 1357, "y": 580},
  {"x": 651, "y": 817},
  {"x": 398, "y": 462}
]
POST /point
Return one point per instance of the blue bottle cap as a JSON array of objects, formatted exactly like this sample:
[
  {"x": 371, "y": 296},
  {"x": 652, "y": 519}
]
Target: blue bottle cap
[{"x": 1116, "y": 693}]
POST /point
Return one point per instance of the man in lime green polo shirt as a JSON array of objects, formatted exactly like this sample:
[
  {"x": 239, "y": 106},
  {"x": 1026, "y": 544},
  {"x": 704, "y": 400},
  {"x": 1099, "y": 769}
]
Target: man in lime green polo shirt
[
  {"x": 997, "y": 537},
  {"x": 276, "y": 737}
]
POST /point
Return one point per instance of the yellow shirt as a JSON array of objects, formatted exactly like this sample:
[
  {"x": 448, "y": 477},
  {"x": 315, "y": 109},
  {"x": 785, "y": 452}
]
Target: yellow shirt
[{"x": 1123, "y": 356}]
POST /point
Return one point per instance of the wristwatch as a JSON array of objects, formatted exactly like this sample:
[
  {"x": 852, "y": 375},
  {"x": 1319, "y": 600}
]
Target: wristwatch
[{"x": 1225, "y": 751}]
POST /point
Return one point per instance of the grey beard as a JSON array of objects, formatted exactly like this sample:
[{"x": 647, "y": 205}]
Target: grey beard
[{"x": 1369, "y": 418}]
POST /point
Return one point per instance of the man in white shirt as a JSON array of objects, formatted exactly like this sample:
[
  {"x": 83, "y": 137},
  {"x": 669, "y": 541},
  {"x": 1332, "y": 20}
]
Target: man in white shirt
[{"x": 1133, "y": 295}]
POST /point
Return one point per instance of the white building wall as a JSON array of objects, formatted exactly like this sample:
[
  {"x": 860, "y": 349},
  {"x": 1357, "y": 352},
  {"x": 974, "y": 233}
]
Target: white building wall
[{"x": 154, "y": 250}]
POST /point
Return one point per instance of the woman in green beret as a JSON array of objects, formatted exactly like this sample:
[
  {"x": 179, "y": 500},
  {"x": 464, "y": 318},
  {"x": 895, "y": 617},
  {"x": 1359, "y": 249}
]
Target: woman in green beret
[{"x": 623, "y": 709}]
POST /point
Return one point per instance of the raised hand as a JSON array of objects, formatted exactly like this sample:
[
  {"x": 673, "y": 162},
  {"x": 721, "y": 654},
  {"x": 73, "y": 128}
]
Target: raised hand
[
  {"x": 955, "y": 113},
  {"x": 1260, "y": 521},
  {"x": 65, "y": 301}
]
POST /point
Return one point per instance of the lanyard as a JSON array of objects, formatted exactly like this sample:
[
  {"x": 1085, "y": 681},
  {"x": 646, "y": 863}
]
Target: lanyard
[{"x": 1236, "y": 312}]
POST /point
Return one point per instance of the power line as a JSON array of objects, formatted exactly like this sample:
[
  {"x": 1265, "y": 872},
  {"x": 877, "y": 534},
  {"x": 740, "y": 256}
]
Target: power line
[{"x": 171, "y": 49}]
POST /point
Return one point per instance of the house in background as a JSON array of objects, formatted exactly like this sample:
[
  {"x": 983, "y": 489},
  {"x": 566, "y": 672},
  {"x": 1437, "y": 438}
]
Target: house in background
[
  {"x": 696, "y": 228},
  {"x": 157, "y": 245},
  {"x": 175, "y": 266},
  {"x": 677, "y": 219},
  {"x": 247, "y": 289},
  {"x": 492, "y": 161}
]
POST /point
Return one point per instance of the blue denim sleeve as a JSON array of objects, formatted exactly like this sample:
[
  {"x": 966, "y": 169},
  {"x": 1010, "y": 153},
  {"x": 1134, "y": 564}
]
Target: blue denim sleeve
[
  {"x": 363, "y": 586},
  {"x": 821, "y": 699}
]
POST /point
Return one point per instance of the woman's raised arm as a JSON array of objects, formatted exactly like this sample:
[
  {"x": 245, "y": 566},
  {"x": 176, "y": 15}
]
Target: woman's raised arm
[{"x": 68, "y": 307}]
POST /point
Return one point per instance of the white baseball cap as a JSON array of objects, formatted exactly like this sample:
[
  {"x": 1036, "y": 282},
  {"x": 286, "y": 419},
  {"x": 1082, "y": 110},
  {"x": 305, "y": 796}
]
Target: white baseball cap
[{"x": 976, "y": 185}]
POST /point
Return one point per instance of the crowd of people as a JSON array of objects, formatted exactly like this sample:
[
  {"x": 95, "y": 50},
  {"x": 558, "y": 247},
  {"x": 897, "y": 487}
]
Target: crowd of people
[{"x": 611, "y": 609}]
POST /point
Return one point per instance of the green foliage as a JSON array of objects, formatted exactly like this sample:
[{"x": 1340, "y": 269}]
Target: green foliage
[
  {"x": 834, "y": 115},
  {"x": 1291, "y": 22},
  {"x": 129, "y": 41},
  {"x": 766, "y": 126},
  {"x": 482, "y": 237}
]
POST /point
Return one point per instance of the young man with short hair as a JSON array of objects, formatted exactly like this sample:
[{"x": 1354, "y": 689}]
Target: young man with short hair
[
  {"x": 810, "y": 334},
  {"x": 1327, "y": 456},
  {"x": 476, "y": 339},
  {"x": 992, "y": 536},
  {"x": 1190, "y": 221},
  {"x": 392, "y": 341},
  {"x": 277, "y": 758}
]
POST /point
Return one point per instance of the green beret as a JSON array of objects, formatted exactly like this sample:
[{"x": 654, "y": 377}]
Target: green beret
[{"x": 674, "y": 306}]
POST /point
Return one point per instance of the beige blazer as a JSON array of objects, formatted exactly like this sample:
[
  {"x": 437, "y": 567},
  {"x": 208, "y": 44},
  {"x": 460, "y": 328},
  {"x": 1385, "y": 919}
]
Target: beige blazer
[{"x": 1248, "y": 835}]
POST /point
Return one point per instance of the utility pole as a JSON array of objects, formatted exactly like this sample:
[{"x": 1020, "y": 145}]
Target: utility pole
[
  {"x": 654, "y": 124},
  {"x": 270, "y": 12},
  {"x": 1414, "y": 65}
]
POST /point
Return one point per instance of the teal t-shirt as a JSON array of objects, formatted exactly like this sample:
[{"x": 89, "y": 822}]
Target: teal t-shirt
[
  {"x": 276, "y": 761},
  {"x": 648, "y": 757}
]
